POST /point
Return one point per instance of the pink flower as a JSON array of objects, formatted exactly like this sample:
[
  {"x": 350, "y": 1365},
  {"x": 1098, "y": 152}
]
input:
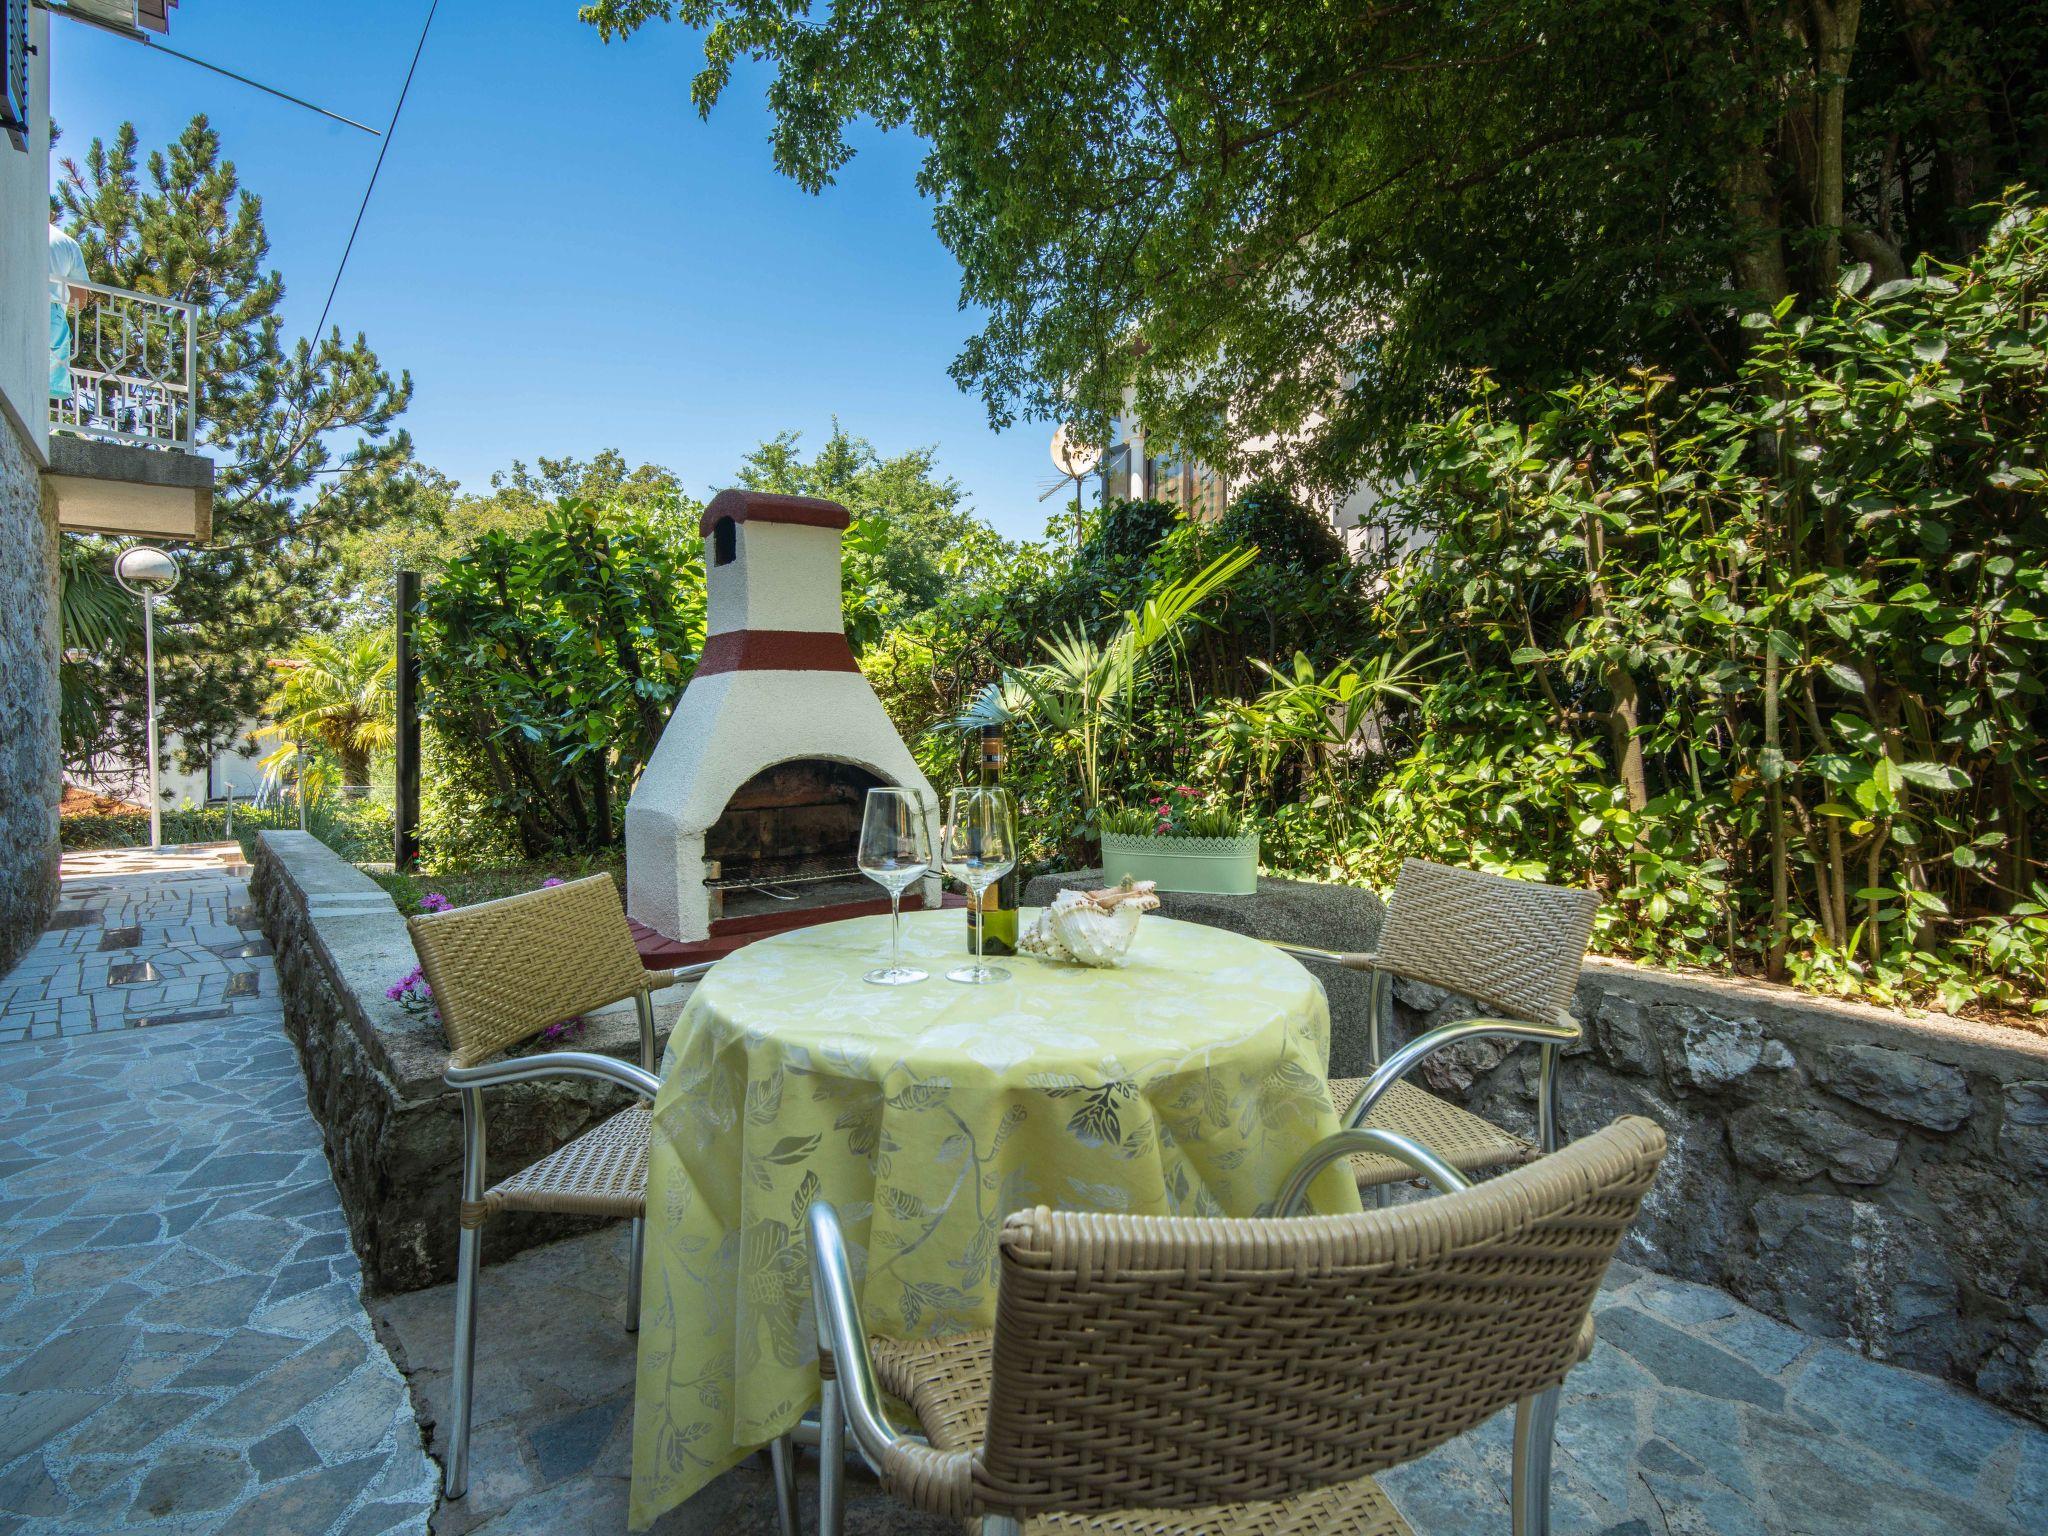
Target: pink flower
[
  {"x": 434, "y": 901},
  {"x": 552, "y": 880}
]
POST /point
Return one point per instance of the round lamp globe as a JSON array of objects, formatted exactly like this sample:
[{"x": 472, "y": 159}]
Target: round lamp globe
[{"x": 146, "y": 570}]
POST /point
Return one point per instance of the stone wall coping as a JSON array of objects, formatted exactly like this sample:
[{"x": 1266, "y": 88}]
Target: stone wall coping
[
  {"x": 1940, "y": 1036},
  {"x": 363, "y": 944}
]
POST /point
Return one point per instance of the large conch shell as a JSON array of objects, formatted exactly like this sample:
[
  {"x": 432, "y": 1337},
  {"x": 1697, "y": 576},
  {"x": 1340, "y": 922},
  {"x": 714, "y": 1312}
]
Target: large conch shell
[{"x": 1090, "y": 927}]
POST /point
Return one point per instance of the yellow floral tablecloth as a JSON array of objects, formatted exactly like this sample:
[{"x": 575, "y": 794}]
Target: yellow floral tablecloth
[{"x": 1186, "y": 1082}]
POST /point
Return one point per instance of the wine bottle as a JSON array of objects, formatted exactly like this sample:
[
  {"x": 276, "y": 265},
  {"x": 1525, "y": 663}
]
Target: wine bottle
[{"x": 997, "y": 908}]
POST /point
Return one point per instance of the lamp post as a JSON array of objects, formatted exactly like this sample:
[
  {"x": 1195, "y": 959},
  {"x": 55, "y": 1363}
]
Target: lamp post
[{"x": 148, "y": 573}]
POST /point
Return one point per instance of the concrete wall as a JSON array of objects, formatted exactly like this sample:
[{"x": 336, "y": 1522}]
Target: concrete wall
[
  {"x": 25, "y": 260},
  {"x": 29, "y": 767},
  {"x": 1862, "y": 1174}
]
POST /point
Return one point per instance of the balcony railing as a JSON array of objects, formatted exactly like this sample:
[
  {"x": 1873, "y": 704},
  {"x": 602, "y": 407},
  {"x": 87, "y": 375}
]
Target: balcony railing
[{"x": 132, "y": 370}]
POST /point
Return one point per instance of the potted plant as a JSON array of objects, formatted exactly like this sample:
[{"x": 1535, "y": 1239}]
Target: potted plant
[{"x": 1181, "y": 844}]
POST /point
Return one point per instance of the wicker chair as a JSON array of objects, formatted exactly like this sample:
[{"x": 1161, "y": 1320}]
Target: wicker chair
[
  {"x": 501, "y": 972},
  {"x": 1168, "y": 1374},
  {"x": 1512, "y": 945}
]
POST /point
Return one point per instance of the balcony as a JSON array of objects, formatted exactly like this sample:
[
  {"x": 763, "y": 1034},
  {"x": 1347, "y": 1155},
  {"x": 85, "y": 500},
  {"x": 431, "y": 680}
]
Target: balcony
[{"x": 123, "y": 443}]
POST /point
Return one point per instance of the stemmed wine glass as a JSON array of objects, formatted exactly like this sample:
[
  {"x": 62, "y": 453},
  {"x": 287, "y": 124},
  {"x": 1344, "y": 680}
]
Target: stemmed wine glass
[
  {"x": 978, "y": 847},
  {"x": 895, "y": 852}
]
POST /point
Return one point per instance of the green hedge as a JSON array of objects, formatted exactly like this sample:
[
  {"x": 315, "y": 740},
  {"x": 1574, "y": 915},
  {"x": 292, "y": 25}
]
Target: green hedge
[{"x": 358, "y": 830}]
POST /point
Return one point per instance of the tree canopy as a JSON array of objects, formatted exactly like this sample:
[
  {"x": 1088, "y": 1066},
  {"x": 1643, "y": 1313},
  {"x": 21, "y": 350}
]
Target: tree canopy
[
  {"x": 914, "y": 534},
  {"x": 303, "y": 434},
  {"x": 1300, "y": 226}
]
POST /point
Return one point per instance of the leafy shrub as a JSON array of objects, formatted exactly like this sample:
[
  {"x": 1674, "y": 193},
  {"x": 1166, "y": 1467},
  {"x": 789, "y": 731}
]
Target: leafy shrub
[
  {"x": 1764, "y": 662},
  {"x": 550, "y": 662},
  {"x": 358, "y": 830}
]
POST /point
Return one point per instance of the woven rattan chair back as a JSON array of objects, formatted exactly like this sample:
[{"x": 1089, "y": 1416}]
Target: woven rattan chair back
[
  {"x": 1513, "y": 945},
  {"x": 1170, "y": 1362},
  {"x": 502, "y": 971}
]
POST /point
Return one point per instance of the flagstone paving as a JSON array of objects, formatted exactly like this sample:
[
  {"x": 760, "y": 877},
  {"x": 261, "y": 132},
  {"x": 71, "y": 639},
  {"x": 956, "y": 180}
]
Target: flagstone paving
[
  {"x": 1695, "y": 1416},
  {"x": 183, "y": 1343},
  {"x": 184, "y": 1347}
]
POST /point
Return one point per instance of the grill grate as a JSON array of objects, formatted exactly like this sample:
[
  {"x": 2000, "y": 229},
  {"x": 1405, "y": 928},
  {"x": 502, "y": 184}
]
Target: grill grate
[{"x": 763, "y": 876}]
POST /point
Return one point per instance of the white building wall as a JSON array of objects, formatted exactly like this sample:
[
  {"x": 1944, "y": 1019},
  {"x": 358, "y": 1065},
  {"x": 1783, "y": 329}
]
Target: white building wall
[{"x": 25, "y": 261}]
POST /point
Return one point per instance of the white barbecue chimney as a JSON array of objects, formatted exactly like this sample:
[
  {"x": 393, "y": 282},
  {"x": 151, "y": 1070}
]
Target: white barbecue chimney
[{"x": 754, "y": 791}]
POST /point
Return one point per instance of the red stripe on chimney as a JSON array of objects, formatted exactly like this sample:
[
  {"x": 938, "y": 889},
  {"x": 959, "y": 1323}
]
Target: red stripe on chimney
[{"x": 776, "y": 650}]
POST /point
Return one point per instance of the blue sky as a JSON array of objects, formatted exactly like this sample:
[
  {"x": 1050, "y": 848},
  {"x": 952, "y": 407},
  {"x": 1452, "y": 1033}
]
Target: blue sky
[{"x": 561, "y": 252}]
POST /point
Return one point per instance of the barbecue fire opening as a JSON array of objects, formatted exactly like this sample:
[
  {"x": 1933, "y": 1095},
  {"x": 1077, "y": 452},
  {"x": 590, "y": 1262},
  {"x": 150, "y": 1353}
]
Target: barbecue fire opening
[{"x": 789, "y": 836}]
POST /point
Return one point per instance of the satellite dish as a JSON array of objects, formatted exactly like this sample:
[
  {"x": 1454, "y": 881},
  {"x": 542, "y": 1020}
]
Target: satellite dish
[{"x": 1073, "y": 459}]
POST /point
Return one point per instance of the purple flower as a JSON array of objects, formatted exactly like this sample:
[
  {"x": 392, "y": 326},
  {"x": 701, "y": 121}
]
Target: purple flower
[
  {"x": 552, "y": 880},
  {"x": 434, "y": 901},
  {"x": 412, "y": 993}
]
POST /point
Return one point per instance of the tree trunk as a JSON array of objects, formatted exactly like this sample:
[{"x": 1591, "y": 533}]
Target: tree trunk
[
  {"x": 1624, "y": 707},
  {"x": 1753, "y": 208},
  {"x": 1962, "y": 119},
  {"x": 1835, "y": 23},
  {"x": 1774, "y": 784}
]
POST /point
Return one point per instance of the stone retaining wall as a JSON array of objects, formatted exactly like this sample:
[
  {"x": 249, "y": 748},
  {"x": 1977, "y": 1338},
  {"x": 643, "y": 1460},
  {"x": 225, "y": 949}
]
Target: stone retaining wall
[
  {"x": 1862, "y": 1174},
  {"x": 393, "y": 1131},
  {"x": 29, "y": 767}
]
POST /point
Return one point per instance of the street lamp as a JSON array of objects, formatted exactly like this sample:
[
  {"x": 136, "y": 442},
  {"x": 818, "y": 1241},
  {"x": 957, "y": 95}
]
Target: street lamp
[{"x": 148, "y": 573}]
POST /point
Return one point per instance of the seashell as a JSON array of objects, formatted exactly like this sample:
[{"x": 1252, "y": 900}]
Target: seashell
[{"x": 1089, "y": 927}]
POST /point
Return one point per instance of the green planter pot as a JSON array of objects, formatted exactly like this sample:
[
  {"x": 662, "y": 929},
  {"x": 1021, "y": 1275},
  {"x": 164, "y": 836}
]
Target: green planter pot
[{"x": 1209, "y": 866}]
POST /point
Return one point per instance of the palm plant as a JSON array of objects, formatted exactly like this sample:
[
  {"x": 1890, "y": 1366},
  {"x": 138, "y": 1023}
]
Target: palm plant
[
  {"x": 1310, "y": 718},
  {"x": 333, "y": 693},
  {"x": 1082, "y": 692},
  {"x": 93, "y": 615}
]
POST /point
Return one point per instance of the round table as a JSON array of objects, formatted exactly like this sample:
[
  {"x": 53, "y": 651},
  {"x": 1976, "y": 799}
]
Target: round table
[{"x": 1187, "y": 1081}]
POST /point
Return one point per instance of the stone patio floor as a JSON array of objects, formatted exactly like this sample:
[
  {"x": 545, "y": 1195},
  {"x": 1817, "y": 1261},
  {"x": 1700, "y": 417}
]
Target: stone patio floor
[
  {"x": 1695, "y": 1416},
  {"x": 184, "y": 1347},
  {"x": 183, "y": 1344}
]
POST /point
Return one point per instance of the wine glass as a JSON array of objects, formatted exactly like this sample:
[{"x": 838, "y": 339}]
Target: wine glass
[
  {"x": 978, "y": 847},
  {"x": 895, "y": 852}
]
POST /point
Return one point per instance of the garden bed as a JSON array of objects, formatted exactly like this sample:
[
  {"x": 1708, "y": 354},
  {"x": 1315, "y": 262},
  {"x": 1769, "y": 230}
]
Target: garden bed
[{"x": 464, "y": 888}]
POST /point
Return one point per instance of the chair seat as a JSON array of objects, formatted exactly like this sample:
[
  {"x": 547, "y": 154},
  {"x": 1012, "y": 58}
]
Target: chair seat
[
  {"x": 946, "y": 1384},
  {"x": 603, "y": 1172},
  {"x": 1459, "y": 1137}
]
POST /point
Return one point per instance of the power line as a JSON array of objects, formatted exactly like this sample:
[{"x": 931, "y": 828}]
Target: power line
[
  {"x": 382, "y": 150},
  {"x": 144, "y": 38}
]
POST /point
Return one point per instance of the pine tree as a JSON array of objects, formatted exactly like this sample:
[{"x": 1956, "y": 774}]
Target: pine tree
[{"x": 301, "y": 435}]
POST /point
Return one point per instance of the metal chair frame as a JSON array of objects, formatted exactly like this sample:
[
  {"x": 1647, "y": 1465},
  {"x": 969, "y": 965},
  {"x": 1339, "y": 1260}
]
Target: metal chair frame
[
  {"x": 1386, "y": 1071},
  {"x": 470, "y": 1084},
  {"x": 851, "y": 1399}
]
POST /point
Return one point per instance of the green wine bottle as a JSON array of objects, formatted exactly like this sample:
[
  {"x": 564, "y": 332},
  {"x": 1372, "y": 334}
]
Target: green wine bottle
[{"x": 997, "y": 911}]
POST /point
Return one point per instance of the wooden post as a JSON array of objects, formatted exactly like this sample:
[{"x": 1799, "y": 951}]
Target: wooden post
[{"x": 405, "y": 818}]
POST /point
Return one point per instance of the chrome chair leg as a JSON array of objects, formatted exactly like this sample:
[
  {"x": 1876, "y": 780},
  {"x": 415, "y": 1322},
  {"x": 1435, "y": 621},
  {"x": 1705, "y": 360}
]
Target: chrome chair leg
[
  {"x": 1549, "y": 1133},
  {"x": 1535, "y": 1430},
  {"x": 633, "y": 1266},
  {"x": 831, "y": 1461},
  {"x": 468, "y": 1254},
  {"x": 782, "y": 1453}
]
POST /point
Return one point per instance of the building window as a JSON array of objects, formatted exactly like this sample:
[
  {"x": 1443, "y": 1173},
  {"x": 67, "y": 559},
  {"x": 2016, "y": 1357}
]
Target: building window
[{"x": 14, "y": 71}]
